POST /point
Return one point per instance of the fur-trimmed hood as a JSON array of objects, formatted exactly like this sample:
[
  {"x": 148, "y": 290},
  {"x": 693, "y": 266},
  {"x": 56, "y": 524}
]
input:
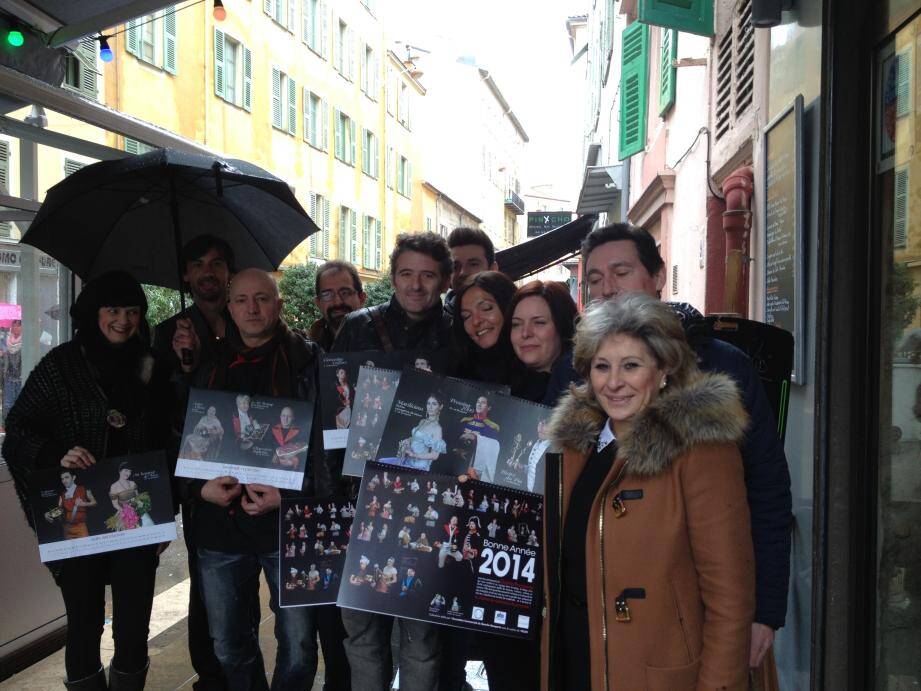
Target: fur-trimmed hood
[{"x": 709, "y": 410}]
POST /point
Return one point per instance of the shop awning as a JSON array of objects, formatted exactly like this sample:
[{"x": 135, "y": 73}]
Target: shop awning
[
  {"x": 600, "y": 189},
  {"x": 545, "y": 250}
]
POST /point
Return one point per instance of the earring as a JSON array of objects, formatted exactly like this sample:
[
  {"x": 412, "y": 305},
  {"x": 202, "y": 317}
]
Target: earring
[{"x": 664, "y": 383}]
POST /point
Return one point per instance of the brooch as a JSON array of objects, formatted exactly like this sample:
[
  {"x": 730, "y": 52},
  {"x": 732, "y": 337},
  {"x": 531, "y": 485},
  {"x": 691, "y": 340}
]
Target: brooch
[{"x": 116, "y": 419}]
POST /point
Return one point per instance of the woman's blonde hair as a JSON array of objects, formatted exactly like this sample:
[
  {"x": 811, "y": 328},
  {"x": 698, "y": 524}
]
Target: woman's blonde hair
[{"x": 645, "y": 318}]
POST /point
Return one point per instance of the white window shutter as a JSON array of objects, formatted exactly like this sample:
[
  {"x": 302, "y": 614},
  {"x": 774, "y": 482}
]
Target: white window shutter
[
  {"x": 353, "y": 236},
  {"x": 324, "y": 125},
  {"x": 366, "y": 241},
  {"x": 314, "y": 239},
  {"x": 307, "y": 22},
  {"x": 277, "y": 113},
  {"x": 133, "y": 44},
  {"x": 268, "y": 7},
  {"x": 337, "y": 134},
  {"x": 337, "y": 49},
  {"x": 325, "y": 228},
  {"x": 408, "y": 183},
  {"x": 219, "y": 62},
  {"x": 292, "y": 15},
  {"x": 292, "y": 106},
  {"x": 365, "y": 152},
  {"x": 352, "y": 133},
  {"x": 351, "y": 56},
  {"x": 307, "y": 120},
  {"x": 170, "y": 59},
  {"x": 324, "y": 30},
  {"x": 378, "y": 241},
  {"x": 247, "y": 79},
  {"x": 343, "y": 232},
  {"x": 903, "y": 82}
]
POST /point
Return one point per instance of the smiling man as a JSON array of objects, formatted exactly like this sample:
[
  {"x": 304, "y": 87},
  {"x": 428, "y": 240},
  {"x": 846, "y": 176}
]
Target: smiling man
[
  {"x": 338, "y": 293},
  {"x": 472, "y": 252},
  {"x": 413, "y": 319}
]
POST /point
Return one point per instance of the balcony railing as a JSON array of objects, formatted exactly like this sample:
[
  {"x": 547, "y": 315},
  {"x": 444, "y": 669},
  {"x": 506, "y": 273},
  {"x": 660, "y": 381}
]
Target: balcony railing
[{"x": 514, "y": 202}]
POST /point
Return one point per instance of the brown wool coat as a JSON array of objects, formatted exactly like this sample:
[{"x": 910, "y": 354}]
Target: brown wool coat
[{"x": 686, "y": 542}]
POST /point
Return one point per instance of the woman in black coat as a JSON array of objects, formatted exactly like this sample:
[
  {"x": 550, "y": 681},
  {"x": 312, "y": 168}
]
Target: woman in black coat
[{"x": 98, "y": 396}]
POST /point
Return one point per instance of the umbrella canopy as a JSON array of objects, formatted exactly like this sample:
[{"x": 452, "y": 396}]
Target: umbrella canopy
[{"x": 135, "y": 213}]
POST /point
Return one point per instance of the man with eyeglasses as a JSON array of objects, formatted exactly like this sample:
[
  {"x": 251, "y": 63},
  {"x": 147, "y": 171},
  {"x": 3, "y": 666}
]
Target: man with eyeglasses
[{"x": 338, "y": 293}]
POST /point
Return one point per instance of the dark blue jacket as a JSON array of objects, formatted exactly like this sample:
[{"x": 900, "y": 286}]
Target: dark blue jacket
[{"x": 767, "y": 477}]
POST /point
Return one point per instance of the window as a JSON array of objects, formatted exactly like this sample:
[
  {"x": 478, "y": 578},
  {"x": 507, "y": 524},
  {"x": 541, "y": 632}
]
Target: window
[
  {"x": 370, "y": 156},
  {"x": 735, "y": 70},
  {"x": 233, "y": 71},
  {"x": 404, "y": 177},
  {"x": 343, "y": 50},
  {"x": 316, "y": 27},
  {"x": 316, "y": 121},
  {"x": 348, "y": 234},
  {"x": 369, "y": 80},
  {"x": 284, "y": 102},
  {"x": 403, "y": 105},
  {"x": 633, "y": 89},
  {"x": 371, "y": 243},
  {"x": 388, "y": 172},
  {"x": 281, "y": 11},
  {"x": 428, "y": 224},
  {"x": 344, "y": 139},
  {"x": 80, "y": 68},
  {"x": 152, "y": 38},
  {"x": 668, "y": 73},
  {"x": 319, "y": 212}
]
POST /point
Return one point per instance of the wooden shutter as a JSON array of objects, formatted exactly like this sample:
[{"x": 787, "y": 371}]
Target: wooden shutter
[
  {"x": 133, "y": 44},
  {"x": 4, "y": 166},
  {"x": 633, "y": 89},
  {"x": 377, "y": 244},
  {"x": 903, "y": 81},
  {"x": 693, "y": 16},
  {"x": 316, "y": 238},
  {"x": 366, "y": 241},
  {"x": 247, "y": 78},
  {"x": 170, "y": 60},
  {"x": 71, "y": 166},
  {"x": 338, "y": 144},
  {"x": 674, "y": 279},
  {"x": 292, "y": 106},
  {"x": 219, "y": 62},
  {"x": 325, "y": 228},
  {"x": 353, "y": 236},
  {"x": 343, "y": 233},
  {"x": 85, "y": 56},
  {"x": 324, "y": 125},
  {"x": 352, "y": 137},
  {"x": 668, "y": 73},
  {"x": 900, "y": 211},
  {"x": 277, "y": 114},
  {"x": 365, "y": 153}
]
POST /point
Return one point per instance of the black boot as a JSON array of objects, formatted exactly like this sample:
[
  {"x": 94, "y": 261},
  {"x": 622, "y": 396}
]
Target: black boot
[
  {"x": 94, "y": 682},
  {"x": 128, "y": 681}
]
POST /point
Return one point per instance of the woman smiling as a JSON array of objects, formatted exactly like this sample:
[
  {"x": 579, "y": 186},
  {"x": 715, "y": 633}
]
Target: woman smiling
[{"x": 649, "y": 566}]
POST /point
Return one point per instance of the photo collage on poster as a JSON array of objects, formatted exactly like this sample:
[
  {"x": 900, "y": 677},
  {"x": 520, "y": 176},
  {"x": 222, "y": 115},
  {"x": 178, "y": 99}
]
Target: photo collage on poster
[
  {"x": 256, "y": 439},
  {"x": 374, "y": 393},
  {"x": 313, "y": 539},
  {"x": 340, "y": 401},
  {"x": 429, "y": 548},
  {"x": 114, "y": 504},
  {"x": 458, "y": 427}
]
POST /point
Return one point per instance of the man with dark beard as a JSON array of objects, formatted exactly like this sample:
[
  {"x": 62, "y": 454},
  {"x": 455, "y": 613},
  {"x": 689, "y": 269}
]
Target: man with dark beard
[
  {"x": 208, "y": 264},
  {"x": 338, "y": 292}
]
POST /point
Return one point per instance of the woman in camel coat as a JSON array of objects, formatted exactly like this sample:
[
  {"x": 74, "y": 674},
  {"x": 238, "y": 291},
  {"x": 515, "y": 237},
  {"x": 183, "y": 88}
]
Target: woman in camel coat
[{"x": 649, "y": 564}]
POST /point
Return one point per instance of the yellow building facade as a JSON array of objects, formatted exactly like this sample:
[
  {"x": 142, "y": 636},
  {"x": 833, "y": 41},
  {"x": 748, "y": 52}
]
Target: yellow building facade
[{"x": 306, "y": 89}]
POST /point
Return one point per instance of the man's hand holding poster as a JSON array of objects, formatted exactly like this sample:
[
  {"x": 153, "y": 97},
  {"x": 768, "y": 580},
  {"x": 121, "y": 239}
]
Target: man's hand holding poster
[
  {"x": 256, "y": 439},
  {"x": 427, "y": 547}
]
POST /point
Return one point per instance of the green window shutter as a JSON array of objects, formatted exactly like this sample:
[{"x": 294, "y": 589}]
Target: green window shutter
[
  {"x": 132, "y": 146},
  {"x": 668, "y": 73},
  {"x": 133, "y": 44},
  {"x": 307, "y": 119},
  {"x": 377, "y": 245},
  {"x": 316, "y": 237},
  {"x": 325, "y": 228},
  {"x": 277, "y": 114},
  {"x": 352, "y": 137},
  {"x": 408, "y": 181},
  {"x": 292, "y": 106},
  {"x": 6, "y": 227},
  {"x": 365, "y": 154},
  {"x": 343, "y": 232},
  {"x": 169, "y": 40},
  {"x": 634, "y": 77},
  {"x": 247, "y": 79},
  {"x": 267, "y": 6},
  {"x": 353, "y": 237},
  {"x": 71, "y": 166},
  {"x": 366, "y": 241},
  {"x": 86, "y": 58},
  {"x": 903, "y": 82},
  {"x": 324, "y": 125},
  {"x": 219, "y": 63},
  {"x": 337, "y": 136},
  {"x": 693, "y": 16},
  {"x": 900, "y": 211}
]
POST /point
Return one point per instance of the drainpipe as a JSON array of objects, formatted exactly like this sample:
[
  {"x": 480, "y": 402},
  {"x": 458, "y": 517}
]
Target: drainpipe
[
  {"x": 716, "y": 255},
  {"x": 737, "y": 223}
]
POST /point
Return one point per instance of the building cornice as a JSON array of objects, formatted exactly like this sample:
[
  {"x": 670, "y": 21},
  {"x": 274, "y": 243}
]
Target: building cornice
[{"x": 658, "y": 194}]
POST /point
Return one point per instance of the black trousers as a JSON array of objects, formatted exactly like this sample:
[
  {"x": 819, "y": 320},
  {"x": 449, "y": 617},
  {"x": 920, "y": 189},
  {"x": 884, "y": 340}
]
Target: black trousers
[
  {"x": 201, "y": 645},
  {"x": 131, "y": 573},
  {"x": 332, "y": 634}
]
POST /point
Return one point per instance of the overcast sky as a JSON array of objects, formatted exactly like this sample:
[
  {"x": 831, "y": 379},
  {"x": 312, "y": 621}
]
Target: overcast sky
[{"x": 525, "y": 46}]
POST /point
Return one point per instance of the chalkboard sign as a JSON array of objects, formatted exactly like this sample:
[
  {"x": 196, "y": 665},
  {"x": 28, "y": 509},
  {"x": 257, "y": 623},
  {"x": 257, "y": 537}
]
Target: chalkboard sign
[{"x": 784, "y": 283}]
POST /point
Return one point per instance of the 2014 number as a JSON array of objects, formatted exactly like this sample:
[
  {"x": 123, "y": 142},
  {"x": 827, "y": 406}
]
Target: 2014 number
[{"x": 500, "y": 563}]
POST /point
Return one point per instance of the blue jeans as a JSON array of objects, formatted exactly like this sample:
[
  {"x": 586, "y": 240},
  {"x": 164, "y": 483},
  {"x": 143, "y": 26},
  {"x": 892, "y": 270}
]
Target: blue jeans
[
  {"x": 368, "y": 650},
  {"x": 229, "y": 582}
]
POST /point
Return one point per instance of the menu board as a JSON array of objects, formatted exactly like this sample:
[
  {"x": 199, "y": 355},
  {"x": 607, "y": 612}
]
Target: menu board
[{"x": 783, "y": 228}]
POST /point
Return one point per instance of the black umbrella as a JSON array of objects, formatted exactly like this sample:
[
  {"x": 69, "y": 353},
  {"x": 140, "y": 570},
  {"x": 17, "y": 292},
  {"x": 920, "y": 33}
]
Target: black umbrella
[{"x": 136, "y": 213}]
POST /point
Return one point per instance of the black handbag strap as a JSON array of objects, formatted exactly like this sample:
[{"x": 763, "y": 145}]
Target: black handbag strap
[{"x": 378, "y": 321}]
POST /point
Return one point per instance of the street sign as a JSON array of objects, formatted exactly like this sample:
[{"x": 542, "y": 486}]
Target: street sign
[{"x": 539, "y": 222}]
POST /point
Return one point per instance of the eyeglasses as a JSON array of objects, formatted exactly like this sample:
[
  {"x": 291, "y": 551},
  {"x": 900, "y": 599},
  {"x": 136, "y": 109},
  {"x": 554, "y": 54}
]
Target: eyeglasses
[{"x": 344, "y": 294}]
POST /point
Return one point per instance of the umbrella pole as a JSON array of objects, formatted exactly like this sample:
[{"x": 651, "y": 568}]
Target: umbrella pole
[{"x": 187, "y": 358}]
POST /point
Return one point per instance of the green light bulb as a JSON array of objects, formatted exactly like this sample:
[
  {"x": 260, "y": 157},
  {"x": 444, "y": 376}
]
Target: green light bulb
[{"x": 15, "y": 38}]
